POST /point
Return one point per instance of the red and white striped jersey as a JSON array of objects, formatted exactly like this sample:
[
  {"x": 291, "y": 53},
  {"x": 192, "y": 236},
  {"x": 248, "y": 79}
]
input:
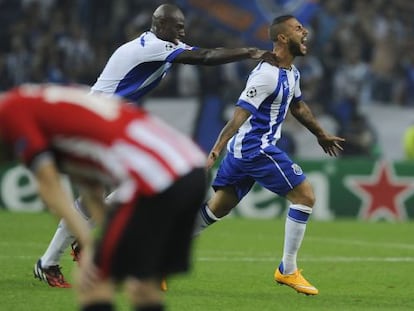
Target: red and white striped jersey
[{"x": 96, "y": 137}]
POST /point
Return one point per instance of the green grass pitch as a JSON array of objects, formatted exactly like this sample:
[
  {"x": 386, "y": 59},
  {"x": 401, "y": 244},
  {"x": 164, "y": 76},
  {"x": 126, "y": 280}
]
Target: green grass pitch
[{"x": 355, "y": 265}]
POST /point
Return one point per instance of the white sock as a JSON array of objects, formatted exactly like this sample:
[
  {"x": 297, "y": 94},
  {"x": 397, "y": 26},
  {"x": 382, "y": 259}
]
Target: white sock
[
  {"x": 60, "y": 242},
  {"x": 204, "y": 218},
  {"x": 81, "y": 209},
  {"x": 295, "y": 227},
  {"x": 62, "y": 239}
]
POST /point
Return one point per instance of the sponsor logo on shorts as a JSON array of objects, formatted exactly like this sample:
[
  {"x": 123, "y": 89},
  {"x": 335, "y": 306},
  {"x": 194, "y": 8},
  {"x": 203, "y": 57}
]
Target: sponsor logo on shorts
[{"x": 297, "y": 169}]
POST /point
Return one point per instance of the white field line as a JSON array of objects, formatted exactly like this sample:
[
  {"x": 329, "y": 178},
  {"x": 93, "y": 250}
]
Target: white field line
[
  {"x": 7, "y": 257},
  {"x": 362, "y": 243},
  {"x": 240, "y": 256},
  {"x": 339, "y": 259},
  {"x": 7, "y": 243},
  {"x": 333, "y": 259}
]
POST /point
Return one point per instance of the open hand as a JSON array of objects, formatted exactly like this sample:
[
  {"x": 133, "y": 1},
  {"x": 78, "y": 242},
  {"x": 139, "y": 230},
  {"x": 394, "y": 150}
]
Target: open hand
[
  {"x": 212, "y": 157},
  {"x": 265, "y": 55},
  {"x": 331, "y": 144}
]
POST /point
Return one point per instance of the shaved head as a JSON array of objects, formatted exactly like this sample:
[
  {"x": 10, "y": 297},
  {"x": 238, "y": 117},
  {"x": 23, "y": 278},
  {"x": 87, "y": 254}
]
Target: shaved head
[
  {"x": 168, "y": 23},
  {"x": 167, "y": 11}
]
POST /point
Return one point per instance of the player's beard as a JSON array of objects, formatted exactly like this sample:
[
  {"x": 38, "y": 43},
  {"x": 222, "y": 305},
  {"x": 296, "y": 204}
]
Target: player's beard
[{"x": 294, "y": 48}]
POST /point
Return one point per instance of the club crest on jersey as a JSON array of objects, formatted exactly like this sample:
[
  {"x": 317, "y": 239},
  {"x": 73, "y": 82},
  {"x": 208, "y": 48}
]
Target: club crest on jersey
[
  {"x": 297, "y": 169},
  {"x": 169, "y": 46},
  {"x": 251, "y": 92}
]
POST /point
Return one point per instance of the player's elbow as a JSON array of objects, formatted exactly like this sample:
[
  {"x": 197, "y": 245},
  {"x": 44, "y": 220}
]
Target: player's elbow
[{"x": 217, "y": 56}]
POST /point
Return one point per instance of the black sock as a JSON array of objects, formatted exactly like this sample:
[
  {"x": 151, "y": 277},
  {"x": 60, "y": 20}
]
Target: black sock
[
  {"x": 150, "y": 308},
  {"x": 103, "y": 306}
]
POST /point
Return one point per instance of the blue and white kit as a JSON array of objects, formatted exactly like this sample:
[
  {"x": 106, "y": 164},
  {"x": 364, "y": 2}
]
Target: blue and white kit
[
  {"x": 252, "y": 153},
  {"x": 138, "y": 66}
]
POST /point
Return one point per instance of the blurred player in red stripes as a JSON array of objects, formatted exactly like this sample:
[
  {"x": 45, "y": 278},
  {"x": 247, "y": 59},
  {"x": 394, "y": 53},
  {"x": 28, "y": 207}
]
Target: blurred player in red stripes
[{"x": 101, "y": 143}]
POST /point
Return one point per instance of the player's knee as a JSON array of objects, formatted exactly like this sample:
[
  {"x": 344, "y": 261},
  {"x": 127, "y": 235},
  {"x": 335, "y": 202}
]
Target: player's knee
[
  {"x": 302, "y": 194},
  {"x": 309, "y": 199},
  {"x": 307, "y": 195},
  {"x": 219, "y": 209},
  {"x": 223, "y": 201}
]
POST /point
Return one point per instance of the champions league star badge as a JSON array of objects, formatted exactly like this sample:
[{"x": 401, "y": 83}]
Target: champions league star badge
[
  {"x": 297, "y": 169},
  {"x": 169, "y": 47},
  {"x": 251, "y": 92}
]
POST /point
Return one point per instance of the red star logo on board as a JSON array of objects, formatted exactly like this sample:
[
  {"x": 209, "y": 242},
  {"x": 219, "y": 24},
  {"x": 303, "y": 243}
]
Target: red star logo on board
[{"x": 382, "y": 195}]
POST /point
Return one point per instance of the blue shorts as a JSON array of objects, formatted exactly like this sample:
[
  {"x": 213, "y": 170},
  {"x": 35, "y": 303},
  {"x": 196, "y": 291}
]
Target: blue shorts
[{"x": 271, "y": 168}]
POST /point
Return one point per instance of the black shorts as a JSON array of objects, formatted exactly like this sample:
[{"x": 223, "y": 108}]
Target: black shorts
[{"x": 154, "y": 240}]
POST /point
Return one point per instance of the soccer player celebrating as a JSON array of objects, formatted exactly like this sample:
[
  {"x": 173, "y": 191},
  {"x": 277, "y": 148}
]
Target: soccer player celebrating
[
  {"x": 252, "y": 156},
  {"x": 132, "y": 71},
  {"x": 100, "y": 142}
]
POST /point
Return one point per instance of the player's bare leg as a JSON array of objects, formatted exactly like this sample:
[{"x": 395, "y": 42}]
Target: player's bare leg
[
  {"x": 287, "y": 273},
  {"x": 222, "y": 202}
]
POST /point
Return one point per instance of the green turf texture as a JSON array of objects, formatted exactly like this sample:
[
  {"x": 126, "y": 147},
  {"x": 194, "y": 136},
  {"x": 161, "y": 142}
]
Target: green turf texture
[{"x": 355, "y": 265}]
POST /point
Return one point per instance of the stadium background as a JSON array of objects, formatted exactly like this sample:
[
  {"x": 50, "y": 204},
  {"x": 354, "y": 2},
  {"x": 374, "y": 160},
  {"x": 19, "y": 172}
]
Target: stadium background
[{"x": 358, "y": 78}]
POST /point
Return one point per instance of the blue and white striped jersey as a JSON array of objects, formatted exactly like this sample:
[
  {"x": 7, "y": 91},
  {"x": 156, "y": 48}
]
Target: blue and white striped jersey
[
  {"x": 138, "y": 66},
  {"x": 269, "y": 92}
]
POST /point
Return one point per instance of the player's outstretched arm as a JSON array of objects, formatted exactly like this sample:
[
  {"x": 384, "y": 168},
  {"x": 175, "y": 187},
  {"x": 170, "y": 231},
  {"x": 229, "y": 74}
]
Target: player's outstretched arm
[
  {"x": 330, "y": 144},
  {"x": 222, "y": 56},
  {"x": 57, "y": 200},
  {"x": 240, "y": 115}
]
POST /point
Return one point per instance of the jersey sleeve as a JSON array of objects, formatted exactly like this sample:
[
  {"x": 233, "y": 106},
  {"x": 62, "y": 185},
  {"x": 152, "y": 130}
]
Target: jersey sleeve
[
  {"x": 297, "y": 96},
  {"x": 260, "y": 84},
  {"x": 164, "y": 51}
]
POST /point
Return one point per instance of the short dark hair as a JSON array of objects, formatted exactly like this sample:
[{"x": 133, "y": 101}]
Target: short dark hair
[
  {"x": 281, "y": 19},
  {"x": 275, "y": 28}
]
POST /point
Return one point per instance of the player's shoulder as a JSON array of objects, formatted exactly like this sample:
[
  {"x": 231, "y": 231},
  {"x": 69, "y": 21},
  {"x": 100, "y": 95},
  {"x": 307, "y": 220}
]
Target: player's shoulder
[
  {"x": 296, "y": 71},
  {"x": 264, "y": 68},
  {"x": 144, "y": 40},
  {"x": 151, "y": 44},
  {"x": 264, "y": 71},
  {"x": 149, "y": 39}
]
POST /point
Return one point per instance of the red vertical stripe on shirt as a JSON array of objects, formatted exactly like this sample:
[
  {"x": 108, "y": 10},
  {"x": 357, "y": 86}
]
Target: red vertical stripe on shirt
[{"x": 113, "y": 234}]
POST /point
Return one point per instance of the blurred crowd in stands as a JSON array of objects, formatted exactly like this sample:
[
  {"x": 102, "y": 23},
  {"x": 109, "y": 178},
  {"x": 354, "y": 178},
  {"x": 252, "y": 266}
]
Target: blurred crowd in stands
[{"x": 360, "y": 52}]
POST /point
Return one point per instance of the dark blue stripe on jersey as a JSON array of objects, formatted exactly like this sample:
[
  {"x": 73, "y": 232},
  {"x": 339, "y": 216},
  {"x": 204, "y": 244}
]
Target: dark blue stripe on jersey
[
  {"x": 129, "y": 86},
  {"x": 283, "y": 82},
  {"x": 174, "y": 54},
  {"x": 259, "y": 122},
  {"x": 298, "y": 216},
  {"x": 247, "y": 106},
  {"x": 296, "y": 99},
  {"x": 276, "y": 92},
  {"x": 142, "y": 41}
]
